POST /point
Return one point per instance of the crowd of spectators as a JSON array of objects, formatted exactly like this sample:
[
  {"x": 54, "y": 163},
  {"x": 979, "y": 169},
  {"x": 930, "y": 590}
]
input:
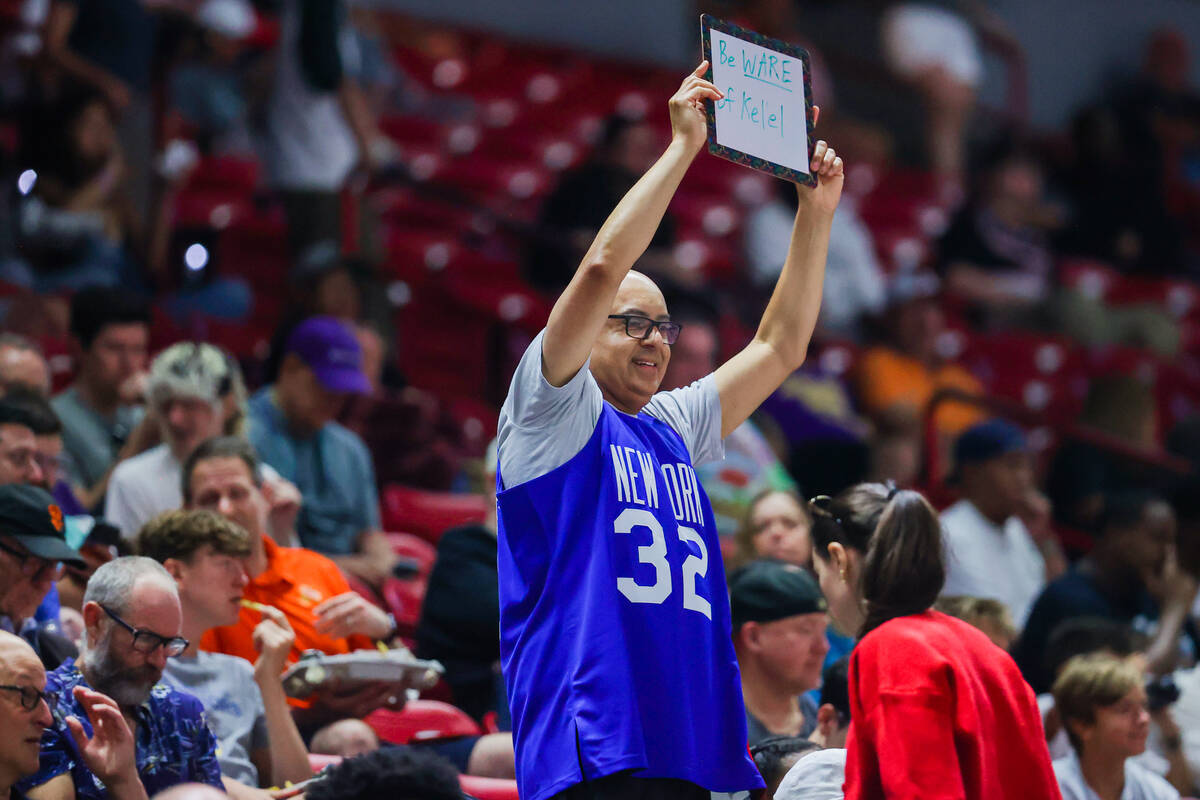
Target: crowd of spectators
[{"x": 249, "y": 484}]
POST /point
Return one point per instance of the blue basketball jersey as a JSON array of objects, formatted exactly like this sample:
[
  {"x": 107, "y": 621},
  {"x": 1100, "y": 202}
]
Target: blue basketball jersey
[{"x": 614, "y": 619}]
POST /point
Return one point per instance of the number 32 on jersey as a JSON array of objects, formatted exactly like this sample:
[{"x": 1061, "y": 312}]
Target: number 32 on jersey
[{"x": 655, "y": 555}]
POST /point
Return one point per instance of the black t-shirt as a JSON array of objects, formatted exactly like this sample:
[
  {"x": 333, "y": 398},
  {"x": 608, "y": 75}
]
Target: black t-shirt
[
  {"x": 1075, "y": 594},
  {"x": 460, "y": 616},
  {"x": 117, "y": 35},
  {"x": 582, "y": 201}
]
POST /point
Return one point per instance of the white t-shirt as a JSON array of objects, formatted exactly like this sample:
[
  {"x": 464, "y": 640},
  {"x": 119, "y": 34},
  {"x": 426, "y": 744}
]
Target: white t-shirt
[
  {"x": 816, "y": 776},
  {"x": 542, "y": 426},
  {"x": 141, "y": 488},
  {"x": 146, "y": 485},
  {"x": 309, "y": 145},
  {"x": 988, "y": 560},
  {"x": 1151, "y": 759},
  {"x": 1140, "y": 783}
]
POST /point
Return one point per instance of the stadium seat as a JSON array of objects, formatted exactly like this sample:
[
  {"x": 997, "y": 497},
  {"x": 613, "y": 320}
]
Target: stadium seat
[
  {"x": 422, "y": 721},
  {"x": 488, "y": 788},
  {"x": 319, "y": 761},
  {"x": 403, "y": 599},
  {"x": 415, "y": 549},
  {"x": 429, "y": 514}
]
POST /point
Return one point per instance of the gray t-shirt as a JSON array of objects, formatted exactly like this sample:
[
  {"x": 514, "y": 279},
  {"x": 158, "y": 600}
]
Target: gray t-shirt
[
  {"x": 542, "y": 426},
  {"x": 91, "y": 441},
  {"x": 225, "y": 685},
  {"x": 756, "y": 731}
]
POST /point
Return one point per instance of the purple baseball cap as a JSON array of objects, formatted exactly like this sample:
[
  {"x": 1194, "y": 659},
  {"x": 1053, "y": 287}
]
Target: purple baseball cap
[{"x": 330, "y": 350}]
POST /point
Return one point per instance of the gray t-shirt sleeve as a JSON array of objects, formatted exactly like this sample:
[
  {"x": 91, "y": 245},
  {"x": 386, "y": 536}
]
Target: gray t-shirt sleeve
[
  {"x": 259, "y": 740},
  {"x": 695, "y": 413},
  {"x": 542, "y": 426}
]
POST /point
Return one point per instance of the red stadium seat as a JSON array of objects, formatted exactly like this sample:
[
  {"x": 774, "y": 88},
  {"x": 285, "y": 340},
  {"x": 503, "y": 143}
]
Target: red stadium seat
[
  {"x": 403, "y": 599},
  {"x": 488, "y": 788},
  {"x": 429, "y": 514},
  {"x": 422, "y": 721},
  {"x": 415, "y": 549},
  {"x": 319, "y": 761}
]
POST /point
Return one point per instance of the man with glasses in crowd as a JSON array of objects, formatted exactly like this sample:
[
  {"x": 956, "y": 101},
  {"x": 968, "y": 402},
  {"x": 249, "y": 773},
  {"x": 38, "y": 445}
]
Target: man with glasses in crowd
[
  {"x": 132, "y": 623},
  {"x": 18, "y": 444},
  {"x": 25, "y": 716},
  {"x": 614, "y": 616},
  {"x": 33, "y": 548}
]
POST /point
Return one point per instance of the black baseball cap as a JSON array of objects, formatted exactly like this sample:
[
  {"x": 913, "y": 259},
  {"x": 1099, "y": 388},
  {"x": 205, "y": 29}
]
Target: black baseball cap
[
  {"x": 768, "y": 590},
  {"x": 30, "y": 515}
]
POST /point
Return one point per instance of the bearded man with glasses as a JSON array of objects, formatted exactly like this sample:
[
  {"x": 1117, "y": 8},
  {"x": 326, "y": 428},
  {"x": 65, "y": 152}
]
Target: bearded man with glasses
[
  {"x": 33, "y": 548},
  {"x": 132, "y": 619}
]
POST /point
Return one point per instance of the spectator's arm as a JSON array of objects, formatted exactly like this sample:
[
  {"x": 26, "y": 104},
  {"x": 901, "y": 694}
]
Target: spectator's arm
[
  {"x": 1175, "y": 591},
  {"x": 582, "y": 310},
  {"x": 781, "y": 343},
  {"x": 273, "y": 638},
  {"x": 360, "y": 119},
  {"x": 57, "y": 50},
  {"x": 374, "y": 560},
  {"x": 60, "y": 787},
  {"x": 992, "y": 288},
  {"x": 240, "y": 791},
  {"x": 334, "y": 704},
  {"x": 109, "y": 751},
  {"x": 1179, "y": 774}
]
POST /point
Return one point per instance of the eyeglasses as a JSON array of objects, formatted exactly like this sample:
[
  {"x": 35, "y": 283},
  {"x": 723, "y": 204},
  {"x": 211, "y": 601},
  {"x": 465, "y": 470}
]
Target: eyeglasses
[
  {"x": 34, "y": 566},
  {"x": 30, "y": 697},
  {"x": 22, "y": 458},
  {"x": 639, "y": 327},
  {"x": 146, "y": 642}
]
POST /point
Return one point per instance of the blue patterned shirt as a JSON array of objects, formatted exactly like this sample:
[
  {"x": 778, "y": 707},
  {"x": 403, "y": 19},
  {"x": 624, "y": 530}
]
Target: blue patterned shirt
[{"x": 174, "y": 743}]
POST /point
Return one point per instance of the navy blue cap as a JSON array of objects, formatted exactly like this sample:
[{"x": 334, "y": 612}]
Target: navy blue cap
[{"x": 988, "y": 440}]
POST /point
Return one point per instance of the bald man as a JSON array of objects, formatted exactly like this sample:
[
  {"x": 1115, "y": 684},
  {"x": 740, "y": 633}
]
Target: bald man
[
  {"x": 191, "y": 791},
  {"x": 25, "y": 716},
  {"x": 615, "y": 625},
  {"x": 23, "y": 711}
]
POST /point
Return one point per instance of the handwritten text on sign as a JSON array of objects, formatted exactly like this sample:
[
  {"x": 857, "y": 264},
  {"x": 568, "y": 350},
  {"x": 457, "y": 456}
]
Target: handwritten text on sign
[{"x": 763, "y": 111}]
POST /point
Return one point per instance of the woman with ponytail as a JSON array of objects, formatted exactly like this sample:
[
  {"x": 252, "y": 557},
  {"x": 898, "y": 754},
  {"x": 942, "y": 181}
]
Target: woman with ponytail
[{"x": 938, "y": 712}]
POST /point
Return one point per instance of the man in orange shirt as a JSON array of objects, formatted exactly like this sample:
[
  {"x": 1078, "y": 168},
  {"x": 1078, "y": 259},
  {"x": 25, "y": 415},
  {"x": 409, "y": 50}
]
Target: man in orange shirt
[{"x": 222, "y": 475}]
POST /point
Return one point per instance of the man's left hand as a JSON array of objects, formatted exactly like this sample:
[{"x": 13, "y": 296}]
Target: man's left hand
[
  {"x": 351, "y": 613},
  {"x": 827, "y": 166}
]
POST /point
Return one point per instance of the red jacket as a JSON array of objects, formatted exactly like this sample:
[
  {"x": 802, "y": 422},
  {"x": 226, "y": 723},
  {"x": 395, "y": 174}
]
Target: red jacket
[{"x": 938, "y": 712}]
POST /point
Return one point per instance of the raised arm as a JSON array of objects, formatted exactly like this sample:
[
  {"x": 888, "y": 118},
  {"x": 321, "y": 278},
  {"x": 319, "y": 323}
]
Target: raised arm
[
  {"x": 781, "y": 343},
  {"x": 581, "y": 310}
]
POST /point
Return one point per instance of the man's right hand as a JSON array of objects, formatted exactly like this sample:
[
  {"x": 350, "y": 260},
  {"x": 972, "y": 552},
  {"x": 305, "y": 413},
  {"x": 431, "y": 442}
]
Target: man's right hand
[
  {"x": 110, "y": 751},
  {"x": 273, "y": 639},
  {"x": 689, "y": 121},
  {"x": 351, "y": 613},
  {"x": 357, "y": 700}
]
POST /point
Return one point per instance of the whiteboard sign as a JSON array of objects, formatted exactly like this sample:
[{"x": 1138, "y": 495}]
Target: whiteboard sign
[{"x": 764, "y": 120}]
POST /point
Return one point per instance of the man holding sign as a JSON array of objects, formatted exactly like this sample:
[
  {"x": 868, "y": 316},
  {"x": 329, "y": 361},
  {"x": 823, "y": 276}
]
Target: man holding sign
[{"x": 615, "y": 627}]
